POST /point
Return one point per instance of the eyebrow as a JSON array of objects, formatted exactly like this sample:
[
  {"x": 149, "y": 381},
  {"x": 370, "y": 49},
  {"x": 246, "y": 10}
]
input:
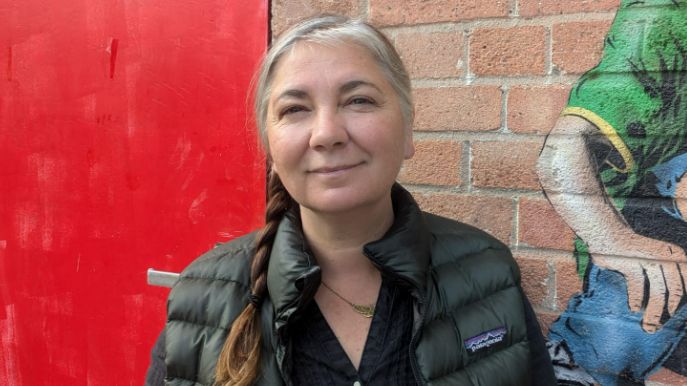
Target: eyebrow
[
  {"x": 293, "y": 93},
  {"x": 353, "y": 84},
  {"x": 346, "y": 87}
]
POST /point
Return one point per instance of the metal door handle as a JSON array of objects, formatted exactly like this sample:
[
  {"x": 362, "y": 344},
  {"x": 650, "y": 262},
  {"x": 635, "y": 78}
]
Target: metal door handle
[{"x": 162, "y": 278}]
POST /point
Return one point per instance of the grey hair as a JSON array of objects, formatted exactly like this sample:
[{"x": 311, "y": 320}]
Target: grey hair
[{"x": 334, "y": 30}]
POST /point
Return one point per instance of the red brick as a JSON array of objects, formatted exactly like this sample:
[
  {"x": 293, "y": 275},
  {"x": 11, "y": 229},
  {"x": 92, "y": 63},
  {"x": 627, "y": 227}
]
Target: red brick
[
  {"x": 391, "y": 12},
  {"x": 578, "y": 46},
  {"x": 431, "y": 55},
  {"x": 475, "y": 108},
  {"x": 668, "y": 378},
  {"x": 288, "y": 12},
  {"x": 435, "y": 163},
  {"x": 534, "y": 272},
  {"x": 568, "y": 282},
  {"x": 508, "y": 51},
  {"x": 528, "y": 8},
  {"x": 506, "y": 164},
  {"x": 491, "y": 214},
  {"x": 535, "y": 109},
  {"x": 540, "y": 226}
]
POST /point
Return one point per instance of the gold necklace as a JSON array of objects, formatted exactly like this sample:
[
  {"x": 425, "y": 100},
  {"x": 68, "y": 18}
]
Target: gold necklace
[{"x": 367, "y": 311}]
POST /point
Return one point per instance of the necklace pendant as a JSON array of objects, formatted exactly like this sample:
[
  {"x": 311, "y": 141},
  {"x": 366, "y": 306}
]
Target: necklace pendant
[{"x": 366, "y": 311}]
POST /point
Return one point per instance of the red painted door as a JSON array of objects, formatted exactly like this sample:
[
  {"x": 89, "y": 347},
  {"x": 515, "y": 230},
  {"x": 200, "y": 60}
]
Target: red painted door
[{"x": 124, "y": 145}]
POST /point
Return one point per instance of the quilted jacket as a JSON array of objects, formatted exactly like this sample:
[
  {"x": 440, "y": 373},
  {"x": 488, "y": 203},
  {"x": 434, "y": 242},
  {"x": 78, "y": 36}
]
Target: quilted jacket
[{"x": 469, "y": 325}]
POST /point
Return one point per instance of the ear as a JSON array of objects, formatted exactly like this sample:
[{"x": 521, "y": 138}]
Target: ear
[{"x": 271, "y": 167}]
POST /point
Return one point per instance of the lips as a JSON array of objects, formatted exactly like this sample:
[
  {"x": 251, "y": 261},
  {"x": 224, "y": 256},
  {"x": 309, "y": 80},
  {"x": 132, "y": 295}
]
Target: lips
[{"x": 334, "y": 169}]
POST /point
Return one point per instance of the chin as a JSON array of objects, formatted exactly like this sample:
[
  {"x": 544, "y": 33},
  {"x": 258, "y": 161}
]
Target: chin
[{"x": 345, "y": 200}]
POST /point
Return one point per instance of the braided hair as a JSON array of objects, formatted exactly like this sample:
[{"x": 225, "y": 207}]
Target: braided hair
[{"x": 239, "y": 360}]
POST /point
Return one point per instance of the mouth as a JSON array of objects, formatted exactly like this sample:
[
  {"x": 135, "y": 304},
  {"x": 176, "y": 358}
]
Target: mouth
[{"x": 335, "y": 169}]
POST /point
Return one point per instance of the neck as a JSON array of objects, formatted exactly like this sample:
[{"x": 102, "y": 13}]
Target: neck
[{"x": 337, "y": 239}]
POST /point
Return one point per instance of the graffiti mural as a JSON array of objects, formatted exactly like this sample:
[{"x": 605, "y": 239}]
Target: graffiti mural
[{"x": 613, "y": 168}]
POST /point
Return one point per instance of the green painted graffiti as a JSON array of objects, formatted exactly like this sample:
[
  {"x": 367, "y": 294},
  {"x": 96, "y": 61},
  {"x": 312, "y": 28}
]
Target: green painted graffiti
[{"x": 621, "y": 142}]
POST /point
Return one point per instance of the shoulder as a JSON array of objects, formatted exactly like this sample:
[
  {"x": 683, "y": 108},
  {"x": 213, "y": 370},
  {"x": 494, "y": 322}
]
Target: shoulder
[
  {"x": 468, "y": 248},
  {"x": 226, "y": 261},
  {"x": 458, "y": 239},
  {"x": 218, "y": 280},
  {"x": 446, "y": 228},
  {"x": 473, "y": 291},
  {"x": 204, "y": 302}
]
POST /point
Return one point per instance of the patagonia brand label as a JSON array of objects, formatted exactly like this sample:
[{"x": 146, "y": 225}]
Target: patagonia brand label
[{"x": 485, "y": 340}]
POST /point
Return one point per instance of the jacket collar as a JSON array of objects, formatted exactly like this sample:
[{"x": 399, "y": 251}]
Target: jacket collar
[{"x": 404, "y": 252}]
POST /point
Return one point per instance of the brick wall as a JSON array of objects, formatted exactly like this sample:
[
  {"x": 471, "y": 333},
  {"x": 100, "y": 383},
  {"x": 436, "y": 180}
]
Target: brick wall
[{"x": 490, "y": 79}]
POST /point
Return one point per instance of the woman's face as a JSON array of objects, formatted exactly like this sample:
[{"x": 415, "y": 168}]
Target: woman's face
[{"x": 334, "y": 128}]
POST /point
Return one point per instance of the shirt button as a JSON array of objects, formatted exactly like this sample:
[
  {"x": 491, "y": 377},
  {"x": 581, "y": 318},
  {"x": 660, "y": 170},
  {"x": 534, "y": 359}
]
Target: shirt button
[{"x": 357, "y": 383}]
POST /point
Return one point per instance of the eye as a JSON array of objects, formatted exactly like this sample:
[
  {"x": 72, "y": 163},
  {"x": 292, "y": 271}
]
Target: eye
[
  {"x": 291, "y": 110},
  {"x": 360, "y": 101}
]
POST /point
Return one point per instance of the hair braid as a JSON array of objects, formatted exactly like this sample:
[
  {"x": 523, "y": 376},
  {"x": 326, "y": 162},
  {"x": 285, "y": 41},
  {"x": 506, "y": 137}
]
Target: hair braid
[{"x": 239, "y": 361}]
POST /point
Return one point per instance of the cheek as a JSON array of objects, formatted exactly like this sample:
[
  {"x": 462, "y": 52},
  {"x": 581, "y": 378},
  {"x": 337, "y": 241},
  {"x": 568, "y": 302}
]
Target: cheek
[
  {"x": 389, "y": 147},
  {"x": 273, "y": 149},
  {"x": 284, "y": 151}
]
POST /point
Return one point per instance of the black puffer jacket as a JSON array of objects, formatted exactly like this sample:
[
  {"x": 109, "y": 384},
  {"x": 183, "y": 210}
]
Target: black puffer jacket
[{"x": 469, "y": 325}]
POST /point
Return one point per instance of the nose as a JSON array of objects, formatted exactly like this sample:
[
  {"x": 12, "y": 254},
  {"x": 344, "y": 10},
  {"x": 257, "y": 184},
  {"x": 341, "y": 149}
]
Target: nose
[{"x": 329, "y": 130}]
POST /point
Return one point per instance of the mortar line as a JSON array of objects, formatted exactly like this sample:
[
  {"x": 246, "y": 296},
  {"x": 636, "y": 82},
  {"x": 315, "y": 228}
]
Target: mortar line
[
  {"x": 505, "y": 94},
  {"x": 515, "y": 232},
  {"x": 549, "y": 51},
  {"x": 501, "y": 22},
  {"x": 365, "y": 10}
]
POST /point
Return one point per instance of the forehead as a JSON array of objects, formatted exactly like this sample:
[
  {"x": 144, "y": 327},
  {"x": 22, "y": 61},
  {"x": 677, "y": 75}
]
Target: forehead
[{"x": 333, "y": 62}]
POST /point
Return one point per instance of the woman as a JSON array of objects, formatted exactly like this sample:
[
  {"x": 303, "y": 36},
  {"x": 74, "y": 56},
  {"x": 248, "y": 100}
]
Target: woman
[{"x": 348, "y": 282}]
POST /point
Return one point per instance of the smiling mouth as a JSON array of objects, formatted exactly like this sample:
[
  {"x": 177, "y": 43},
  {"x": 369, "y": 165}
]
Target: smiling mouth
[{"x": 334, "y": 169}]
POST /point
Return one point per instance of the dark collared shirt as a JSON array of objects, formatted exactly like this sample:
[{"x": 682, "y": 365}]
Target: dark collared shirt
[{"x": 319, "y": 359}]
